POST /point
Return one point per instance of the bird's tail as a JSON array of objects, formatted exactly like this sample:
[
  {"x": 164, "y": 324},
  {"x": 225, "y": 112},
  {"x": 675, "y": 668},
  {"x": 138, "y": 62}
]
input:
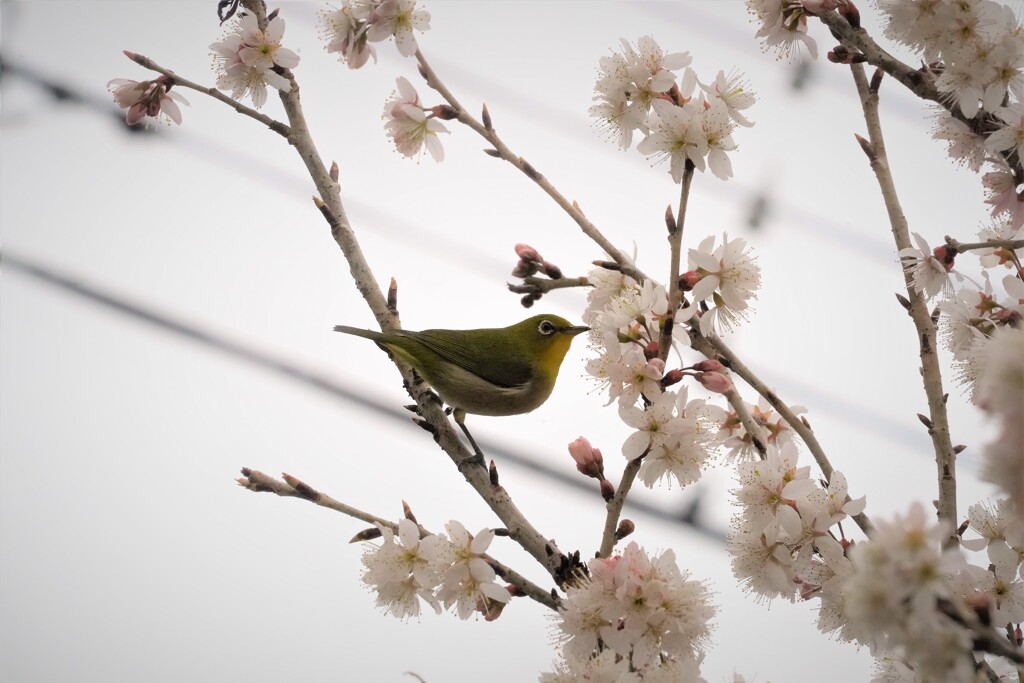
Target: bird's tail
[{"x": 368, "y": 334}]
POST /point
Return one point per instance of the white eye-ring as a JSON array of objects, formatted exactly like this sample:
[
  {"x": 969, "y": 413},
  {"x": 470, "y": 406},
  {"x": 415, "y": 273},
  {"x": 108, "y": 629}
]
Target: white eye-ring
[{"x": 546, "y": 327}]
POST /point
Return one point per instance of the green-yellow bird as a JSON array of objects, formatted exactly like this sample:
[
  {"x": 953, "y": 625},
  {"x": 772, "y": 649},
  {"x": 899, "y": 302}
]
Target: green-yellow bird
[{"x": 501, "y": 371}]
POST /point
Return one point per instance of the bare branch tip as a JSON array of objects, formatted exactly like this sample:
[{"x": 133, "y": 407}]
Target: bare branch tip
[
  {"x": 670, "y": 221},
  {"x": 407, "y": 512},
  {"x": 868, "y": 148}
]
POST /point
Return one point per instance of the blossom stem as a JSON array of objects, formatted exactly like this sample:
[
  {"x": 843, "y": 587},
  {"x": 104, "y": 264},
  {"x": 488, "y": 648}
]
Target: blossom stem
[
  {"x": 274, "y": 125},
  {"x": 504, "y": 152},
  {"x": 675, "y": 242},
  {"x": 945, "y": 457},
  {"x": 614, "y": 506},
  {"x": 258, "y": 482}
]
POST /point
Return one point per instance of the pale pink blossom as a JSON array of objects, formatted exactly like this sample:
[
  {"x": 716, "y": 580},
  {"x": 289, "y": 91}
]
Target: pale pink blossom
[{"x": 146, "y": 100}]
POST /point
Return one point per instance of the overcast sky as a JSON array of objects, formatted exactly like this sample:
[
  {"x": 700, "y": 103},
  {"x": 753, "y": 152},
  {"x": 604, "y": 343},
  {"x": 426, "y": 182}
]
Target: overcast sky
[{"x": 128, "y": 553}]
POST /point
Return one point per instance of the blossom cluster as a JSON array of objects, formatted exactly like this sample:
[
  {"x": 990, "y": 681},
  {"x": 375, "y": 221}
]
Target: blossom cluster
[
  {"x": 782, "y": 541},
  {"x": 675, "y": 435},
  {"x": 147, "y": 101},
  {"x": 633, "y": 618},
  {"x": 912, "y": 602},
  {"x": 349, "y": 29},
  {"x": 975, "y": 51},
  {"x": 637, "y": 91},
  {"x": 405, "y": 569},
  {"x": 249, "y": 59}
]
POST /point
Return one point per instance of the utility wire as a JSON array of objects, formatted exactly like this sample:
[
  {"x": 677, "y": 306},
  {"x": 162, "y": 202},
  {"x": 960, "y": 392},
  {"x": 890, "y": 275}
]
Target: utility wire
[
  {"x": 690, "y": 515},
  {"x": 213, "y": 151}
]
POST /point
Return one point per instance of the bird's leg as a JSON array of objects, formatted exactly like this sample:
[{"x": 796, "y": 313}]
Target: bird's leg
[{"x": 460, "y": 419}]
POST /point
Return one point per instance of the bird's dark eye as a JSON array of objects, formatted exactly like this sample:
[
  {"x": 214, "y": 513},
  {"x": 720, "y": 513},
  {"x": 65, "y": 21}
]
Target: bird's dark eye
[{"x": 546, "y": 327}]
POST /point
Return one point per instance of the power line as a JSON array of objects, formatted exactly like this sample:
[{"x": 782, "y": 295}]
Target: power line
[{"x": 689, "y": 515}]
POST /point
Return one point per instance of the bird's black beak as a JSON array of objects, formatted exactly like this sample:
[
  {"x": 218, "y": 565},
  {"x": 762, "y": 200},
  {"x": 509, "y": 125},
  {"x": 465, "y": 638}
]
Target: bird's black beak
[{"x": 575, "y": 330}]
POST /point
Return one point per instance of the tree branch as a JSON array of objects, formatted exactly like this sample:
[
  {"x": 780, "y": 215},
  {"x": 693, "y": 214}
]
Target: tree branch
[
  {"x": 614, "y": 506},
  {"x": 257, "y": 481},
  {"x": 276, "y": 126},
  {"x": 502, "y": 151},
  {"x": 945, "y": 457}
]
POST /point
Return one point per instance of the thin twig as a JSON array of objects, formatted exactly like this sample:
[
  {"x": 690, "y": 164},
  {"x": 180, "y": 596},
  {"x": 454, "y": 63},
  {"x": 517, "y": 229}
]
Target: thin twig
[
  {"x": 488, "y": 133},
  {"x": 945, "y": 457},
  {"x": 276, "y": 126},
  {"x": 614, "y": 506},
  {"x": 675, "y": 242},
  {"x": 257, "y": 481}
]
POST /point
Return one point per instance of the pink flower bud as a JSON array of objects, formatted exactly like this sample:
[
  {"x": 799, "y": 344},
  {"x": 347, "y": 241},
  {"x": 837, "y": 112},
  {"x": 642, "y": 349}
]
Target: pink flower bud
[
  {"x": 688, "y": 279},
  {"x": 445, "y": 112},
  {"x": 708, "y": 366},
  {"x": 528, "y": 253},
  {"x": 607, "y": 490},
  {"x": 945, "y": 256},
  {"x": 524, "y": 268},
  {"x": 715, "y": 381},
  {"x": 849, "y": 11},
  {"x": 651, "y": 352},
  {"x": 551, "y": 270},
  {"x": 588, "y": 459},
  {"x": 671, "y": 377}
]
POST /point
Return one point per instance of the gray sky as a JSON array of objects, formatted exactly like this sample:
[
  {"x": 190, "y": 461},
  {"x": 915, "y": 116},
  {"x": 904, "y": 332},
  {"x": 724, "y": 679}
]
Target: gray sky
[{"x": 128, "y": 554}]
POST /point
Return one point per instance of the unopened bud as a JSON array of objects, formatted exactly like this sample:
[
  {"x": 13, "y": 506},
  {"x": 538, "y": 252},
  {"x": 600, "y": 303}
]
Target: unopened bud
[
  {"x": 551, "y": 270},
  {"x": 709, "y": 365},
  {"x": 492, "y": 472},
  {"x": 588, "y": 459},
  {"x": 849, "y": 11},
  {"x": 673, "y": 376},
  {"x": 1008, "y": 316},
  {"x": 945, "y": 256},
  {"x": 651, "y": 350},
  {"x": 525, "y": 268},
  {"x": 366, "y": 535},
  {"x": 626, "y": 527},
  {"x": 407, "y": 511},
  {"x": 715, "y": 381},
  {"x": 688, "y": 279},
  {"x": 607, "y": 490},
  {"x": 445, "y": 112},
  {"x": 528, "y": 253}
]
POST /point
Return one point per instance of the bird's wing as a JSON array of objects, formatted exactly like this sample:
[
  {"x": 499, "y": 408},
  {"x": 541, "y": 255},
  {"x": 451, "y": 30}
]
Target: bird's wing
[{"x": 463, "y": 349}]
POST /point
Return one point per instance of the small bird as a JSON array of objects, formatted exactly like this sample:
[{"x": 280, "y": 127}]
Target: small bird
[{"x": 500, "y": 371}]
